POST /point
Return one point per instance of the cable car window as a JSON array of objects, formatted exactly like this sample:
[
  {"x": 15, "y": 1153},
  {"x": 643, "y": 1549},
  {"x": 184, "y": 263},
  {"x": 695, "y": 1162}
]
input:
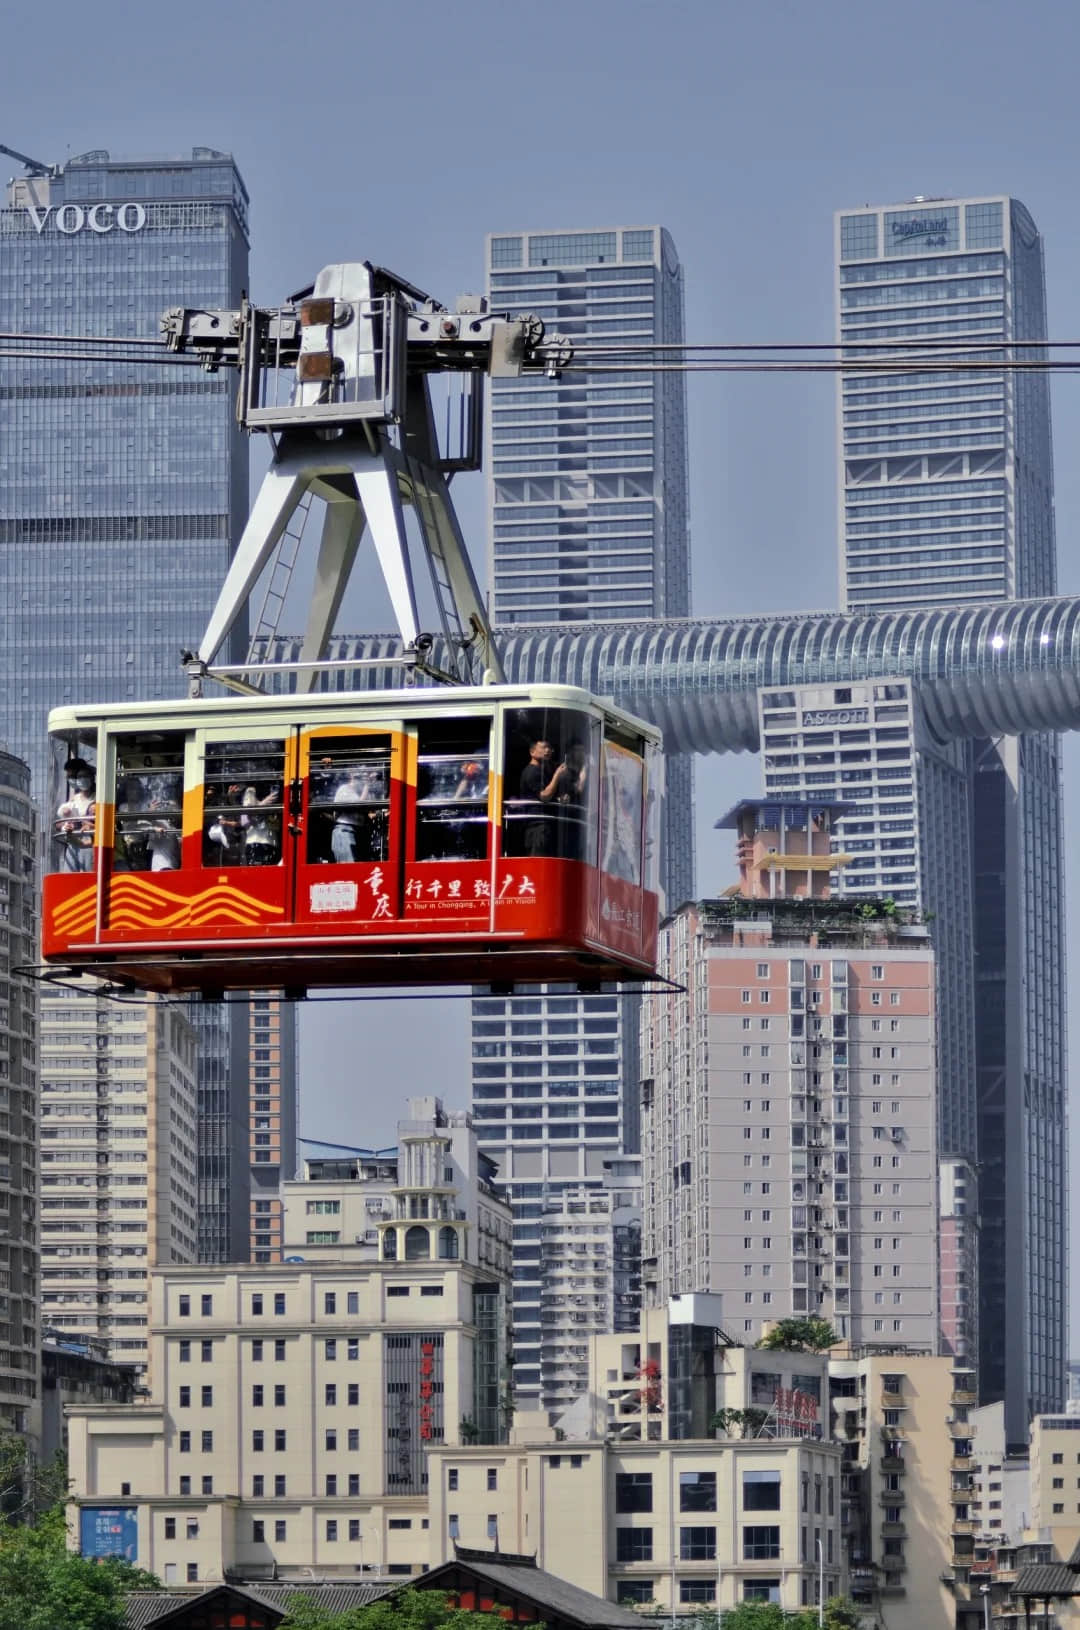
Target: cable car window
[
  {"x": 452, "y": 789},
  {"x": 348, "y": 800},
  {"x": 149, "y": 801},
  {"x": 549, "y": 804},
  {"x": 623, "y": 774},
  {"x": 243, "y": 803},
  {"x": 654, "y": 804},
  {"x": 73, "y": 799}
]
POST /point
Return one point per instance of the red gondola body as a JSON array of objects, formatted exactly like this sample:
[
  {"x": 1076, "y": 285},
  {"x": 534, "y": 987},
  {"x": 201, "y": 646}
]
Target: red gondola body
[{"x": 481, "y": 835}]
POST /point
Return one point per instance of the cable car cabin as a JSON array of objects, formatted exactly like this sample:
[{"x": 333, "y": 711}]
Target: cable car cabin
[{"x": 423, "y": 837}]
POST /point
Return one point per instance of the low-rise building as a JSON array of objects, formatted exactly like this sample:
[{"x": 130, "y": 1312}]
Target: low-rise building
[
  {"x": 293, "y": 1405},
  {"x": 715, "y": 1522}
]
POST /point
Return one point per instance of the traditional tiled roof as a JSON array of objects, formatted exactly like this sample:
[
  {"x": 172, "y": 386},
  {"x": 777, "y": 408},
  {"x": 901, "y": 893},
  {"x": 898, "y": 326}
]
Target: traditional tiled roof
[
  {"x": 1047, "y": 1579},
  {"x": 554, "y": 1598},
  {"x": 146, "y": 1608}
]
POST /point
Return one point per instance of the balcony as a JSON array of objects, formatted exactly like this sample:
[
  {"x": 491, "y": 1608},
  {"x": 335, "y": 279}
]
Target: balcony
[
  {"x": 892, "y": 1497},
  {"x": 893, "y": 1530},
  {"x": 891, "y": 1463},
  {"x": 961, "y": 1399},
  {"x": 892, "y": 1565}
]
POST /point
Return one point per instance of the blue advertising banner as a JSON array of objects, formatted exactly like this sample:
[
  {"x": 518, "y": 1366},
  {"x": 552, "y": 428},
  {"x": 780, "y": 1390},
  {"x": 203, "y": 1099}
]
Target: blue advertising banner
[{"x": 109, "y": 1530}]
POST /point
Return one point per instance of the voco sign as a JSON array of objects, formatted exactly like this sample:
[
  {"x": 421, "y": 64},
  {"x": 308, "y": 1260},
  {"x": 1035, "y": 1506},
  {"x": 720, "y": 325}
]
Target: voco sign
[{"x": 100, "y": 218}]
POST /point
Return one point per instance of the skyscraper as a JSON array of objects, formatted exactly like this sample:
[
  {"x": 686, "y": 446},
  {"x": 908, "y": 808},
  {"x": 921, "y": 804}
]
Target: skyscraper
[
  {"x": 587, "y": 488},
  {"x": 124, "y": 487},
  {"x": 19, "y": 1304},
  {"x": 947, "y": 498}
]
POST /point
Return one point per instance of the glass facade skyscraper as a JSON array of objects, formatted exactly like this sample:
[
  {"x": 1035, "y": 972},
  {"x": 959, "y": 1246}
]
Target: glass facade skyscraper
[
  {"x": 588, "y": 508},
  {"x": 947, "y": 498},
  {"x": 124, "y": 486}
]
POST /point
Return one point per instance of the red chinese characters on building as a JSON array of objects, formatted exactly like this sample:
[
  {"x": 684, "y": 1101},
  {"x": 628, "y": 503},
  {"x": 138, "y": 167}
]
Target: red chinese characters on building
[
  {"x": 427, "y": 1388},
  {"x": 796, "y": 1411}
]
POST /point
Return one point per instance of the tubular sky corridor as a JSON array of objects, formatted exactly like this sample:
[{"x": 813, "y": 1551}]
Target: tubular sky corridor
[{"x": 998, "y": 669}]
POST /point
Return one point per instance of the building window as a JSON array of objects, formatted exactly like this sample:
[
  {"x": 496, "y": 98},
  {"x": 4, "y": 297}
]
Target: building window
[
  {"x": 636, "y": 1590},
  {"x": 279, "y": 1439},
  {"x": 256, "y": 1352},
  {"x": 170, "y": 1527},
  {"x": 207, "y": 1444},
  {"x": 330, "y": 1393},
  {"x": 354, "y": 1529},
  {"x": 184, "y": 1353},
  {"x": 279, "y": 1350},
  {"x": 354, "y": 1438},
  {"x": 761, "y": 1544},
  {"x": 352, "y": 1302},
  {"x": 330, "y": 1349},
  {"x": 208, "y": 1485},
  {"x": 207, "y": 1396},
  {"x": 697, "y": 1544},
  {"x": 256, "y": 1304},
  {"x": 192, "y": 1572},
  {"x": 331, "y": 1529},
  {"x": 185, "y": 1485},
  {"x": 329, "y": 1302},
  {"x": 257, "y": 1396},
  {"x": 633, "y": 1544},
  {"x": 207, "y": 1353},
  {"x": 353, "y": 1396},
  {"x": 696, "y": 1590},
  {"x": 258, "y": 1533},
  {"x": 279, "y": 1303},
  {"x": 761, "y": 1491},
  {"x": 279, "y": 1396},
  {"x": 633, "y": 1492},
  {"x": 331, "y": 1483},
  {"x": 185, "y": 1397},
  {"x": 280, "y": 1529},
  {"x": 493, "y": 1478},
  {"x": 184, "y": 1307},
  {"x": 207, "y": 1306},
  {"x": 258, "y": 1486},
  {"x": 761, "y": 1590},
  {"x": 185, "y": 1443},
  {"x": 279, "y": 1487}
]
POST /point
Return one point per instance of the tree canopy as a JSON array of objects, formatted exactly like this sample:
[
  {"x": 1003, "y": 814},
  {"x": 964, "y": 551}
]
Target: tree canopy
[
  {"x": 800, "y": 1336},
  {"x": 839, "y": 1613},
  {"x": 44, "y": 1586}
]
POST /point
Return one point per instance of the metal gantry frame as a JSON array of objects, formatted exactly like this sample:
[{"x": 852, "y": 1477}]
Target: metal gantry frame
[{"x": 339, "y": 378}]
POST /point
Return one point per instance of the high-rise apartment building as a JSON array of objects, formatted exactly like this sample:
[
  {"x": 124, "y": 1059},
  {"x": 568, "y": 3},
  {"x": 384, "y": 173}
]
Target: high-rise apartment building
[
  {"x": 118, "y": 1163},
  {"x": 588, "y": 512},
  {"x": 19, "y": 1305},
  {"x": 789, "y": 1151},
  {"x": 272, "y": 1072},
  {"x": 124, "y": 488},
  {"x": 946, "y": 487}
]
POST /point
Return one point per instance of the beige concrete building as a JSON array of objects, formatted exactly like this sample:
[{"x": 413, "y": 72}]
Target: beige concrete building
[
  {"x": 731, "y": 1521},
  {"x": 118, "y": 1161},
  {"x": 293, "y": 1405},
  {"x": 272, "y": 1065}
]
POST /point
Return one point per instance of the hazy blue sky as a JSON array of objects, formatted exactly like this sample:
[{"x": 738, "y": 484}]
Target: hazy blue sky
[{"x": 402, "y": 134}]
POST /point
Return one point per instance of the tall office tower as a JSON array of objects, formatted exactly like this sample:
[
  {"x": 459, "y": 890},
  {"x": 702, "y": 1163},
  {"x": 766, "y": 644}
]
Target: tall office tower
[
  {"x": 588, "y": 510},
  {"x": 20, "y": 1408},
  {"x": 789, "y": 1149},
  {"x": 124, "y": 486},
  {"x": 274, "y": 1152},
  {"x": 118, "y": 1163},
  {"x": 947, "y": 498}
]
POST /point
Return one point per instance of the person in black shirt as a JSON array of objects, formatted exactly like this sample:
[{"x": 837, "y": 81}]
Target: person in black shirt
[{"x": 536, "y": 789}]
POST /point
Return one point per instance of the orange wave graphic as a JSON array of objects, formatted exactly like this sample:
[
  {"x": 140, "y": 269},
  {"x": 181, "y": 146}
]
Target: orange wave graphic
[{"x": 136, "y": 903}]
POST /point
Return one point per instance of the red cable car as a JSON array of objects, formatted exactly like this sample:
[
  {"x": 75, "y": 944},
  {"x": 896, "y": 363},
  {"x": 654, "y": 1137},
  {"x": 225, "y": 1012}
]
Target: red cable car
[{"x": 482, "y": 834}]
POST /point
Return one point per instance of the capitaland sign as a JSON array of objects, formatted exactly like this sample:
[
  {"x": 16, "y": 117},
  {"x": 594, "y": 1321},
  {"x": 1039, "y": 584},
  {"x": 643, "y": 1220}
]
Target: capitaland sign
[
  {"x": 924, "y": 227},
  {"x": 836, "y": 715},
  {"x": 100, "y": 218}
]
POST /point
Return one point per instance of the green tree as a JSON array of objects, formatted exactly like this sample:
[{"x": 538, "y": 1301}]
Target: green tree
[
  {"x": 800, "y": 1336},
  {"x": 404, "y": 1610},
  {"x": 743, "y": 1423},
  {"x": 44, "y": 1586}
]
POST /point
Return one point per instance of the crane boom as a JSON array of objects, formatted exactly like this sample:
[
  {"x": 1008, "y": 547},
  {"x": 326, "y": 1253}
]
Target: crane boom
[{"x": 35, "y": 166}]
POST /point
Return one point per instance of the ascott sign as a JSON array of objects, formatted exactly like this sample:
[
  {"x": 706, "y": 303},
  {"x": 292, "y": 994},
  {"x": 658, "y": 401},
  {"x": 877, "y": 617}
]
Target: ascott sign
[
  {"x": 100, "y": 218},
  {"x": 837, "y": 715}
]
